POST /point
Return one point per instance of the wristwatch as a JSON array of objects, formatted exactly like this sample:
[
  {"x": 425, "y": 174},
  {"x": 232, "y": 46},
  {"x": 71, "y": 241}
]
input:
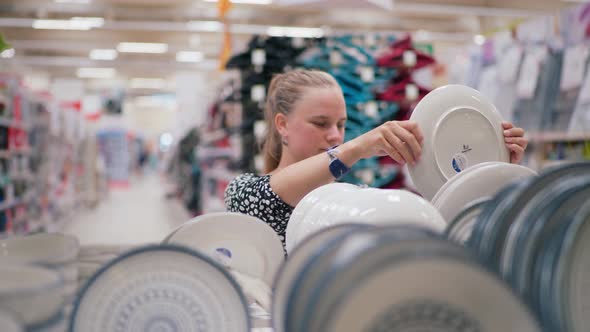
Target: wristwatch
[{"x": 337, "y": 167}]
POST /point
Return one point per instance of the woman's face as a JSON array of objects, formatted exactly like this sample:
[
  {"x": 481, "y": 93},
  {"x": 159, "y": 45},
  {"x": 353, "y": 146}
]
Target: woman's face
[{"x": 316, "y": 123}]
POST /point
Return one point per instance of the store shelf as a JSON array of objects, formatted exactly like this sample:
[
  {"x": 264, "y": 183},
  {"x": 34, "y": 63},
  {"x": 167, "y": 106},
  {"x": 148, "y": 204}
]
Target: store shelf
[
  {"x": 14, "y": 124},
  {"x": 549, "y": 137},
  {"x": 13, "y": 202}
]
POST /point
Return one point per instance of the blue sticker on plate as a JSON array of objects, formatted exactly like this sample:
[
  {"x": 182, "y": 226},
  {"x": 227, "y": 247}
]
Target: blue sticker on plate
[{"x": 224, "y": 251}]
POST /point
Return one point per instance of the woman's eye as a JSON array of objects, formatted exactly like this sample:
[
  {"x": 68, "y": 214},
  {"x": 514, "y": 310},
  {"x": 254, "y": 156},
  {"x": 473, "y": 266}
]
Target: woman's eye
[
  {"x": 340, "y": 125},
  {"x": 321, "y": 124}
]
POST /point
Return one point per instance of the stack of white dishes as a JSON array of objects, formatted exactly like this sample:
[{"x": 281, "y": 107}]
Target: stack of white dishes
[
  {"x": 535, "y": 233},
  {"x": 246, "y": 246},
  {"x": 33, "y": 293},
  {"x": 359, "y": 277},
  {"x": 161, "y": 288},
  {"x": 478, "y": 182},
  {"x": 337, "y": 203},
  {"x": 462, "y": 128},
  {"x": 56, "y": 252}
]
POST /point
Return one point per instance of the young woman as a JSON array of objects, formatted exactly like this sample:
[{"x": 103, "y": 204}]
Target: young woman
[{"x": 305, "y": 115}]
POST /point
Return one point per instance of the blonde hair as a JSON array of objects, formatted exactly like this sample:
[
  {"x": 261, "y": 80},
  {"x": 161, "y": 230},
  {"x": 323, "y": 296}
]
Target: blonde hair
[{"x": 284, "y": 91}]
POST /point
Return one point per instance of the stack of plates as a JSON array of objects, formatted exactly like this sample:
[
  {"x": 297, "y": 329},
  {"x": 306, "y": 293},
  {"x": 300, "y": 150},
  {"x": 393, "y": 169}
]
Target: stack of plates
[
  {"x": 161, "y": 288},
  {"x": 337, "y": 203},
  {"x": 33, "y": 293},
  {"x": 395, "y": 278},
  {"x": 56, "y": 252},
  {"x": 533, "y": 233},
  {"x": 478, "y": 182}
]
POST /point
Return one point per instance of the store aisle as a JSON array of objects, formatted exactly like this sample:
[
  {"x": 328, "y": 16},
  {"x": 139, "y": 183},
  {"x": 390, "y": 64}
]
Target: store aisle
[{"x": 137, "y": 215}]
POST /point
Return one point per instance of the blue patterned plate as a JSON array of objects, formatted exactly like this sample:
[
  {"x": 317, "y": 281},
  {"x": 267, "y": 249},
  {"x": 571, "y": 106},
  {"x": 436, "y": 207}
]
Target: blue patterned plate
[{"x": 161, "y": 288}]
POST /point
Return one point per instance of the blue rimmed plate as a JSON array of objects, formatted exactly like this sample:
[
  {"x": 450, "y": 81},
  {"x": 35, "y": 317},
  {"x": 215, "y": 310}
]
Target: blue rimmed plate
[
  {"x": 353, "y": 249},
  {"x": 541, "y": 222},
  {"x": 296, "y": 261},
  {"x": 572, "y": 273},
  {"x": 161, "y": 288},
  {"x": 460, "y": 228},
  {"x": 418, "y": 289}
]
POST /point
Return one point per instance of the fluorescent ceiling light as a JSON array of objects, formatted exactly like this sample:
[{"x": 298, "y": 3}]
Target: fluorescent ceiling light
[
  {"x": 189, "y": 56},
  {"x": 128, "y": 47},
  {"x": 103, "y": 54},
  {"x": 75, "y": 23},
  {"x": 210, "y": 26},
  {"x": 295, "y": 32},
  {"x": 249, "y": 2},
  {"x": 147, "y": 83},
  {"x": 9, "y": 53},
  {"x": 73, "y": 1},
  {"x": 479, "y": 39},
  {"x": 96, "y": 72}
]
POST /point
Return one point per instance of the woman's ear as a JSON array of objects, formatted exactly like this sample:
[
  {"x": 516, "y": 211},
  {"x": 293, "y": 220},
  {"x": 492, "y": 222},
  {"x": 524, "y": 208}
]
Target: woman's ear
[{"x": 281, "y": 124}]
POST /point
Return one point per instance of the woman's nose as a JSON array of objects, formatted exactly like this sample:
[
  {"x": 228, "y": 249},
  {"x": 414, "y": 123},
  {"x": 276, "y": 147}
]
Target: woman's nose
[{"x": 334, "y": 135}]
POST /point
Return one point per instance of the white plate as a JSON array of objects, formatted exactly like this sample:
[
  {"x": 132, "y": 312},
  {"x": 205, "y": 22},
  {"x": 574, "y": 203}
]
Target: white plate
[
  {"x": 305, "y": 204},
  {"x": 461, "y": 128},
  {"x": 42, "y": 248},
  {"x": 161, "y": 288},
  {"x": 371, "y": 206},
  {"x": 480, "y": 181},
  {"x": 10, "y": 323},
  {"x": 238, "y": 241}
]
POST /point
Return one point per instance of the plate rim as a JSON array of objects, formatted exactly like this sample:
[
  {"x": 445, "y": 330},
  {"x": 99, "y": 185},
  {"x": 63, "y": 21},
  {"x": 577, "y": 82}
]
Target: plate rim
[{"x": 155, "y": 248}]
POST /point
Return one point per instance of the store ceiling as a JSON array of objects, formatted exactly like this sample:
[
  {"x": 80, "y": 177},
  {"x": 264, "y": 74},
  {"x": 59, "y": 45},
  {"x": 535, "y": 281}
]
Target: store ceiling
[{"x": 61, "y": 52}]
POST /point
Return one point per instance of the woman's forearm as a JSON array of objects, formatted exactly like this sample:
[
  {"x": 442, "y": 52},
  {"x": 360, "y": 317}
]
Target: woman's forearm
[{"x": 294, "y": 181}]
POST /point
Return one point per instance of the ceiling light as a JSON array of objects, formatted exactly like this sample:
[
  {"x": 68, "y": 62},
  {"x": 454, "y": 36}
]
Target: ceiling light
[
  {"x": 96, "y": 72},
  {"x": 73, "y": 1},
  {"x": 209, "y": 26},
  {"x": 103, "y": 54},
  {"x": 189, "y": 56},
  {"x": 9, "y": 53},
  {"x": 128, "y": 47},
  {"x": 295, "y": 32},
  {"x": 479, "y": 39},
  {"x": 248, "y": 2},
  {"x": 75, "y": 23},
  {"x": 147, "y": 83}
]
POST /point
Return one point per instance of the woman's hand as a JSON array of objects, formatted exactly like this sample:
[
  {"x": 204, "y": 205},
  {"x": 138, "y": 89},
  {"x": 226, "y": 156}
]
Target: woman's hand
[
  {"x": 401, "y": 140},
  {"x": 515, "y": 141}
]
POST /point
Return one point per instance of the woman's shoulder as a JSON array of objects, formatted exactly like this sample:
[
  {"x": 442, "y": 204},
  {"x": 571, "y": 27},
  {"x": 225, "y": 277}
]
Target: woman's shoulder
[{"x": 247, "y": 178}]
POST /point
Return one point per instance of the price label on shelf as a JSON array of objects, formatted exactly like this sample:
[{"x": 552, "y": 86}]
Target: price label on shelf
[
  {"x": 258, "y": 92},
  {"x": 336, "y": 58},
  {"x": 372, "y": 109},
  {"x": 529, "y": 76},
  {"x": 574, "y": 63},
  {"x": 367, "y": 74},
  {"x": 258, "y": 57}
]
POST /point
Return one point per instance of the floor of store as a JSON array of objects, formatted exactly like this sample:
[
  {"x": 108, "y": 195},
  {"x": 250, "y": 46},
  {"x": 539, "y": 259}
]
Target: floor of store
[{"x": 136, "y": 215}]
